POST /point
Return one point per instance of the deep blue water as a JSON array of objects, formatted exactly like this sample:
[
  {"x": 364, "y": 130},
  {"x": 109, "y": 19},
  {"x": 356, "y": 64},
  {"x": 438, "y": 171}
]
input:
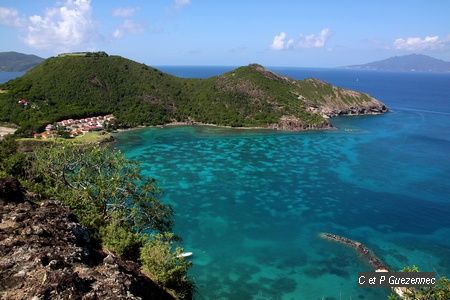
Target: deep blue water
[{"x": 5, "y": 76}]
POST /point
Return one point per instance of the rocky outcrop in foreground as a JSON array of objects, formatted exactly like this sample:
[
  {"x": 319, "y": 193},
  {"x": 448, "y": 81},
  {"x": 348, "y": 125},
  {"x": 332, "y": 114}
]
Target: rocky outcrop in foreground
[{"x": 46, "y": 254}]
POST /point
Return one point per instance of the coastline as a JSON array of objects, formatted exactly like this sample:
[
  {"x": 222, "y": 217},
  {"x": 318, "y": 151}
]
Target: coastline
[
  {"x": 190, "y": 123},
  {"x": 285, "y": 124}
]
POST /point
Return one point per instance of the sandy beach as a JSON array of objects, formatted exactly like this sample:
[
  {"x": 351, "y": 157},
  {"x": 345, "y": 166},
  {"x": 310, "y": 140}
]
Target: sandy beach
[{"x": 6, "y": 130}]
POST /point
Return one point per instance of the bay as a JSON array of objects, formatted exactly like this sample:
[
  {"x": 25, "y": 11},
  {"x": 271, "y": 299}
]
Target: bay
[{"x": 251, "y": 204}]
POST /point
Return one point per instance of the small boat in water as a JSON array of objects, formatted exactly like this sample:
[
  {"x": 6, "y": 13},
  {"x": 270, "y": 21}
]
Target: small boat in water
[{"x": 184, "y": 254}]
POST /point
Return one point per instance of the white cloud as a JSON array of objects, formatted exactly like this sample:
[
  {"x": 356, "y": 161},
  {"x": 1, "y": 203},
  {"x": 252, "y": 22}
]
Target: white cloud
[
  {"x": 315, "y": 41},
  {"x": 279, "y": 41},
  {"x": 10, "y": 17},
  {"x": 309, "y": 41},
  {"x": 124, "y": 12},
  {"x": 64, "y": 27},
  {"x": 420, "y": 44},
  {"x": 127, "y": 26},
  {"x": 181, "y": 3}
]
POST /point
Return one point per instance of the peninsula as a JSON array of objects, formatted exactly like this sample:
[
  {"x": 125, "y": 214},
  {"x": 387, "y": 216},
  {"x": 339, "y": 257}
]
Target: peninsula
[
  {"x": 76, "y": 86},
  {"x": 406, "y": 63}
]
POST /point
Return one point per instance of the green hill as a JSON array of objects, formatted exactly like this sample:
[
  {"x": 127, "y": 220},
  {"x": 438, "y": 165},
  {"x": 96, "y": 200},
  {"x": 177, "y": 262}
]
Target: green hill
[
  {"x": 76, "y": 86},
  {"x": 18, "y": 62}
]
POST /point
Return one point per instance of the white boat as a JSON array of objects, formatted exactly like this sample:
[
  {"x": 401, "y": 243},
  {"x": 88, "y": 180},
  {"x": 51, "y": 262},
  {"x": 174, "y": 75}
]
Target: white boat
[{"x": 184, "y": 254}]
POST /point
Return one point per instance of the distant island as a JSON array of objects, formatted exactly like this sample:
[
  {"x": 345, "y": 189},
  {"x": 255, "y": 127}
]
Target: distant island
[
  {"x": 18, "y": 62},
  {"x": 406, "y": 63},
  {"x": 91, "y": 84}
]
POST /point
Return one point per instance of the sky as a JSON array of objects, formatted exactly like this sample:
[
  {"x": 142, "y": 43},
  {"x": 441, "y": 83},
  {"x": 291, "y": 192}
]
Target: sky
[{"x": 322, "y": 33}]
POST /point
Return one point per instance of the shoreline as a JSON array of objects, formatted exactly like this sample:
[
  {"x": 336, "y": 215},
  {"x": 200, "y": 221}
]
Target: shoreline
[
  {"x": 189, "y": 123},
  {"x": 268, "y": 127}
]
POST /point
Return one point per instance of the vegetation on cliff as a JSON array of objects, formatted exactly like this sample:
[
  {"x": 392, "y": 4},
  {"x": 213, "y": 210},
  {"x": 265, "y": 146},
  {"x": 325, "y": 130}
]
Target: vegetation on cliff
[
  {"x": 46, "y": 254},
  {"x": 121, "y": 209},
  {"x": 72, "y": 87}
]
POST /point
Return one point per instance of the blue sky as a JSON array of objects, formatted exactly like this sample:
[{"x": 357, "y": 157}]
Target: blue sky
[{"x": 322, "y": 33}]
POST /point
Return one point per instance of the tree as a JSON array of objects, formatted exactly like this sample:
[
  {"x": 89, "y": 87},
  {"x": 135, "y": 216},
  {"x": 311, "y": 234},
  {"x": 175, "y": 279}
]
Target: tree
[{"x": 102, "y": 186}]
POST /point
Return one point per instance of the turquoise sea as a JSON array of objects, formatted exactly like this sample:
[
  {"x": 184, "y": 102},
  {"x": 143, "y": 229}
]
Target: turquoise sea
[{"x": 250, "y": 204}]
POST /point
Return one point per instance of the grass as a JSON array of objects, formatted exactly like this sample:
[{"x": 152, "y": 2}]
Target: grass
[
  {"x": 93, "y": 137},
  {"x": 98, "y": 137}
]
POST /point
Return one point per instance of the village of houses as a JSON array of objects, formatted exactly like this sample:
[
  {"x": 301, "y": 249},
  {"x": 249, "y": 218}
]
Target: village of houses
[{"x": 75, "y": 127}]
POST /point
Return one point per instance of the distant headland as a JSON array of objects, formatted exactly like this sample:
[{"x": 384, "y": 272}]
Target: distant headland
[
  {"x": 406, "y": 63},
  {"x": 18, "y": 62}
]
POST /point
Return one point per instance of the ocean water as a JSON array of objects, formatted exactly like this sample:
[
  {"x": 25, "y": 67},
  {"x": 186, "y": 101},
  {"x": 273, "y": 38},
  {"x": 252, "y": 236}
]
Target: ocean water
[
  {"x": 5, "y": 76},
  {"x": 250, "y": 205}
]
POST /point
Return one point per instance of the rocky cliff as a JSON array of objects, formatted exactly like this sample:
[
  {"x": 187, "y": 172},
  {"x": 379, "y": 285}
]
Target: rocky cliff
[
  {"x": 46, "y": 254},
  {"x": 330, "y": 101}
]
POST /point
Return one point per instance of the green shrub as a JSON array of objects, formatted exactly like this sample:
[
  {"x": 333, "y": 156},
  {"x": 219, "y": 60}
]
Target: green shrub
[
  {"x": 164, "y": 265},
  {"x": 12, "y": 162},
  {"x": 121, "y": 240}
]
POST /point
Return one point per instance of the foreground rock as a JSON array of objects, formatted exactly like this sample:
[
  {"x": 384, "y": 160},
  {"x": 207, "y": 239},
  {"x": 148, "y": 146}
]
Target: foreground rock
[{"x": 46, "y": 254}]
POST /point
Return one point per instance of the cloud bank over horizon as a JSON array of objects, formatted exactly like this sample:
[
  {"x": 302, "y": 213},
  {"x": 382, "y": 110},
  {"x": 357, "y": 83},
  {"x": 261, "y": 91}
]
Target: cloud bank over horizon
[{"x": 418, "y": 44}]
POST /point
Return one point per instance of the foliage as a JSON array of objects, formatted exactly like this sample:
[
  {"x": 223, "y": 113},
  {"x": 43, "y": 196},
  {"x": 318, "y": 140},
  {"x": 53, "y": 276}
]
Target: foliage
[
  {"x": 12, "y": 162},
  {"x": 166, "y": 266},
  {"x": 412, "y": 268},
  {"x": 440, "y": 291},
  {"x": 102, "y": 186},
  {"x": 393, "y": 296},
  {"x": 81, "y": 86},
  {"x": 121, "y": 240}
]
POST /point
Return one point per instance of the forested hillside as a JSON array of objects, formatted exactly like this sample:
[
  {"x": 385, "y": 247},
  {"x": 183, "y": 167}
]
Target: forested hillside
[{"x": 76, "y": 86}]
